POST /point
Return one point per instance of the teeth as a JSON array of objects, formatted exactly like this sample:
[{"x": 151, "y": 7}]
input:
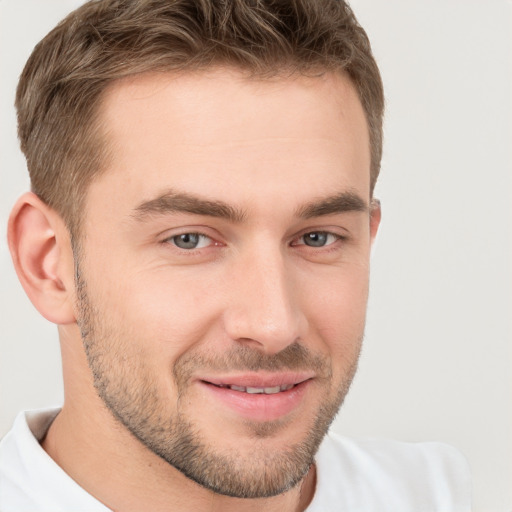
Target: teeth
[
  {"x": 266, "y": 391},
  {"x": 254, "y": 390}
]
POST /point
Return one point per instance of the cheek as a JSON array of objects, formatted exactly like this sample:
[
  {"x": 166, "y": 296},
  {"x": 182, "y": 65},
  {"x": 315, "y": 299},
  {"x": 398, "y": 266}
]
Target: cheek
[
  {"x": 168, "y": 310},
  {"x": 164, "y": 310},
  {"x": 337, "y": 311},
  {"x": 142, "y": 325}
]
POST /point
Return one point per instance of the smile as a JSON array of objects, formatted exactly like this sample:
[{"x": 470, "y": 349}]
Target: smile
[
  {"x": 259, "y": 397},
  {"x": 255, "y": 391}
]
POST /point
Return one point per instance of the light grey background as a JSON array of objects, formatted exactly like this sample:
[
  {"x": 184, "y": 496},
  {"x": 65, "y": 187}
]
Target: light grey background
[{"x": 437, "y": 359}]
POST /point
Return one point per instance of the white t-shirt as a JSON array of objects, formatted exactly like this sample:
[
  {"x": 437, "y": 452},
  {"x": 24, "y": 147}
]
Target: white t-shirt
[{"x": 352, "y": 476}]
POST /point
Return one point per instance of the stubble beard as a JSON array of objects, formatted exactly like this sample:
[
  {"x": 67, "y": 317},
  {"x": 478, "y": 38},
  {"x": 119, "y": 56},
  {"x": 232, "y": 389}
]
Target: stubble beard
[{"x": 130, "y": 392}]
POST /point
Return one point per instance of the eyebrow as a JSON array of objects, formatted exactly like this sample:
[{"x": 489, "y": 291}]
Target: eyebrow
[
  {"x": 180, "y": 202},
  {"x": 339, "y": 203}
]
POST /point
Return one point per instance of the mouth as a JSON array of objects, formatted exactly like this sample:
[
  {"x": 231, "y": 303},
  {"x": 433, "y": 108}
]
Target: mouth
[
  {"x": 258, "y": 397},
  {"x": 257, "y": 390}
]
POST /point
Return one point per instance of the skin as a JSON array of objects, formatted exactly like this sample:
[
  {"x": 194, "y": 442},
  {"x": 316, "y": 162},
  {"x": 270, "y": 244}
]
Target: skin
[{"x": 159, "y": 320}]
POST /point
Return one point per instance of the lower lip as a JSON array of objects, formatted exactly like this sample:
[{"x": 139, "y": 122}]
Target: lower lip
[{"x": 259, "y": 406}]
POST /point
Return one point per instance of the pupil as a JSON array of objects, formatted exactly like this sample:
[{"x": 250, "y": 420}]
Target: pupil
[
  {"x": 315, "y": 239},
  {"x": 187, "y": 240}
]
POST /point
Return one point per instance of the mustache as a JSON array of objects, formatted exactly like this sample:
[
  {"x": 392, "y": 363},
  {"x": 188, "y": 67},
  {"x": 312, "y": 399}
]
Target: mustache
[{"x": 294, "y": 357}]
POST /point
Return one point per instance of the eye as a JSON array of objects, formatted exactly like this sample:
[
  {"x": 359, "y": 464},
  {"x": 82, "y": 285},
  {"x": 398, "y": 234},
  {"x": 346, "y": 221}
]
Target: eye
[
  {"x": 190, "y": 241},
  {"x": 318, "y": 239}
]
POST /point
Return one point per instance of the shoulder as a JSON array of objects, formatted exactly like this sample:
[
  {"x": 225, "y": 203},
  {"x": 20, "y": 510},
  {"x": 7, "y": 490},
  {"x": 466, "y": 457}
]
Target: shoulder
[{"x": 380, "y": 475}]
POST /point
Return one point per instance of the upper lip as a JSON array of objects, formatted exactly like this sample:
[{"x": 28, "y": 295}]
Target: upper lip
[{"x": 259, "y": 379}]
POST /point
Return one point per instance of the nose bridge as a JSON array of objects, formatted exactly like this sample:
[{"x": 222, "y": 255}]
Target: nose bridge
[{"x": 265, "y": 307}]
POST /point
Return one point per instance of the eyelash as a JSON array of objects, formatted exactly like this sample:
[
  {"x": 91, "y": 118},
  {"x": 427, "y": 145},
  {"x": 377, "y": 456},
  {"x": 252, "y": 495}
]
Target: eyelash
[
  {"x": 172, "y": 240},
  {"x": 320, "y": 233},
  {"x": 327, "y": 246}
]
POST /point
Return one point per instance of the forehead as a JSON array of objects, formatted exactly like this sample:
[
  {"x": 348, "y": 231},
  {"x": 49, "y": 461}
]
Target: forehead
[{"x": 227, "y": 134}]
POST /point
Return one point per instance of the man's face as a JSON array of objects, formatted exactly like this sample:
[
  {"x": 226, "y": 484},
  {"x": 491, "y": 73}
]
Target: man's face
[{"x": 223, "y": 269}]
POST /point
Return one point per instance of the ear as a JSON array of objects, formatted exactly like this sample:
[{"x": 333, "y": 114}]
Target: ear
[
  {"x": 375, "y": 218},
  {"x": 43, "y": 258}
]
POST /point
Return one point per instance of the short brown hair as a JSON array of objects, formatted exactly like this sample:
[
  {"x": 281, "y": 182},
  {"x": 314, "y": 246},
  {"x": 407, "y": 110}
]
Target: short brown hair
[{"x": 105, "y": 40}]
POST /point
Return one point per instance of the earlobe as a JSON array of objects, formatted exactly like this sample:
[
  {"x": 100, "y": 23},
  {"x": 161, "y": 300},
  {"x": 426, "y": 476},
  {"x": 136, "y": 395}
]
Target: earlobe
[{"x": 41, "y": 252}]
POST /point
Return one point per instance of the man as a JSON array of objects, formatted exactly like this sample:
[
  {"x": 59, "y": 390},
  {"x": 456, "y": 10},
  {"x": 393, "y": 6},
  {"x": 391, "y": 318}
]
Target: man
[{"x": 199, "y": 228}]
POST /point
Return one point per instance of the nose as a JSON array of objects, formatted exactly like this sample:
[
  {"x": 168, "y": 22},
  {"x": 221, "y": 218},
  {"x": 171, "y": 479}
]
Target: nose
[{"x": 264, "y": 306}]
